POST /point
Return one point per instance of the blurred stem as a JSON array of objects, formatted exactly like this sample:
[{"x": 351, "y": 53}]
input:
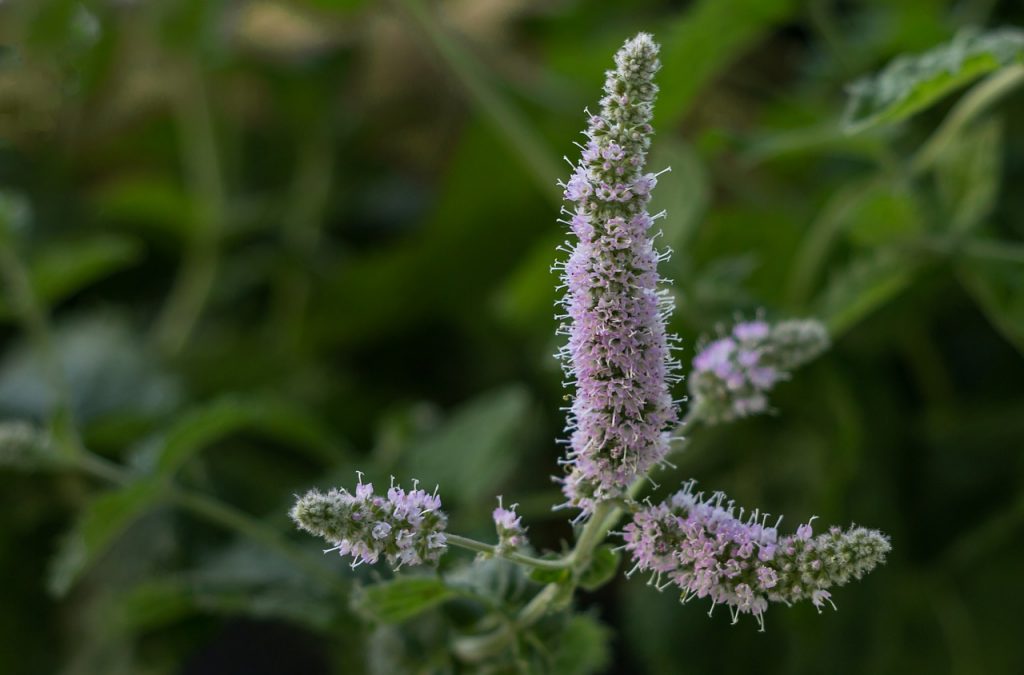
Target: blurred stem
[
  {"x": 823, "y": 21},
  {"x": 522, "y": 139},
  {"x": 972, "y": 104},
  {"x": 217, "y": 512},
  {"x": 192, "y": 288},
  {"x": 302, "y": 223},
  {"x": 35, "y": 322}
]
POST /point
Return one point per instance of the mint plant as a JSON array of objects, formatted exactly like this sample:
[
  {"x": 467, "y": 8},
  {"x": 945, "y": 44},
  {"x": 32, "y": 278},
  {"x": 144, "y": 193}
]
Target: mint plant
[{"x": 620, "y": 361}]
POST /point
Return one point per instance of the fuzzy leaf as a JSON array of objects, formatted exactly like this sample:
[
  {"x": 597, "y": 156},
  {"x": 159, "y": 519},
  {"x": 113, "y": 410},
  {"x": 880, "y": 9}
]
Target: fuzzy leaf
[
  {"x": 401, "y": 598},
  {"x": 863, "y": 286},
  {"x": 910, "y": 84},
  {"x": 24, "y": 446},
  {"x": 582, "y": 647}
]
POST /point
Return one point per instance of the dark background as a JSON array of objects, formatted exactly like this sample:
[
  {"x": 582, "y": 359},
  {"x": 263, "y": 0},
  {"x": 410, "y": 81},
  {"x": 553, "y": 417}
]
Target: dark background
[{"x": 331, "y": 224}]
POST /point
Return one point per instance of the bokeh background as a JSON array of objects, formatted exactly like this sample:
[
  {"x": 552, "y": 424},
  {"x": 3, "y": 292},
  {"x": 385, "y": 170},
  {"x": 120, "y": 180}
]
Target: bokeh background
[{"x": 293, "y": 239}]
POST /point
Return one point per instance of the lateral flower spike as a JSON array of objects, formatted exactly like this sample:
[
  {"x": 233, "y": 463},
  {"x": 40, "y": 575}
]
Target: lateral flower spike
[
  {"x": 404, "y": 528},
  {"x": 618, "y": 356},
  {"x": 703, "y": 547},
  {"x": 509, "y": 526},
  {"x": 733, "y": 374}
]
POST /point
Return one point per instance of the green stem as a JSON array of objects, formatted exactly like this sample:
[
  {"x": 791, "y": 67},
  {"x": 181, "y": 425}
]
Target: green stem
[
  {"x": 202, "y": 169},
  {"x": 35, "y": 322},
  {"x": 967, "y": 108},
  {"x": 529, "y": 561}
]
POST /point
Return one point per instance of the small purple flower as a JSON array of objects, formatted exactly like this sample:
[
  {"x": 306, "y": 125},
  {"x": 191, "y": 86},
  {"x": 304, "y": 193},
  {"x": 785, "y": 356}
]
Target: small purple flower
[
  {"x": 405, "y": 528},
  {"x": 733, "y": 374},
  {"x": 511, "y": 533},
  {"x": 618, "y": 355},
  {"x": 704, "y": 548}
]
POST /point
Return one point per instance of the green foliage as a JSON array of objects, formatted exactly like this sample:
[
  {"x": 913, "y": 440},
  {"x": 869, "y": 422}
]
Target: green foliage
[
  {"x": 912, "y": 83},
  {"x": 100, "y": 522},
  {"x": 264, "y": 244},
  {"x": 401, "y": 598}
]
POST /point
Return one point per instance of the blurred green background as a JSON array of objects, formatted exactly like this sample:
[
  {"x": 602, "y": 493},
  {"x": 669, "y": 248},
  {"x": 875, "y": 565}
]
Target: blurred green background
[{"x": 273, "y": 242}]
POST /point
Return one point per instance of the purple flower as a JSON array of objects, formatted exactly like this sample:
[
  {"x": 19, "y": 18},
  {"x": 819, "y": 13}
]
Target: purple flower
[
  {"x": 406, "y": 528},
  {"x": 511, "y": 533},
  {"x": 707, "y": 550},
  {"x": 618, "y": 355},
  {"x": 733, "y": 374}
]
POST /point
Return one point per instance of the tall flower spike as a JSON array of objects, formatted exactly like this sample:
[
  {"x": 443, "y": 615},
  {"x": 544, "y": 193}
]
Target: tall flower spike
[
  {"x": 405, "y": 528},
  {"x": 732, "y": 375},
  {"x": 618, "y": 354},
  {"x": 704, "y": 548}
]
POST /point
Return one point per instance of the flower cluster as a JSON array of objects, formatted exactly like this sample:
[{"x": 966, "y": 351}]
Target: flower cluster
[
  {"x": 405, "y": 528},
  {"x": 732, "y": 375},
  {"x": 509, "y": 525},
  {"x": 618, "y": 354},
  {"x": 707, "y": 550}
]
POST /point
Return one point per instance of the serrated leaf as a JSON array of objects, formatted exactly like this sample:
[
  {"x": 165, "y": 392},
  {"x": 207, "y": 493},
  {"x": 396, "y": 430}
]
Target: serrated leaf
[
  {"x": 476, "y": 449},
  {"x": 401, "y": 599},
  {"x": 602, "y": 568},
  {"x": 968, "y": 174},
  {"x": 64, "y": 268},
  {"x": 910, "y": 84},
  {"x": 863, "y": 286},
  {"x": 98, "y": 525},
  {"x": 196, "y": 430}
]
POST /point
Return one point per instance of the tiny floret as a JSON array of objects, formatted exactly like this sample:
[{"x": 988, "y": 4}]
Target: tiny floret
[
  {"x": 509, "y": 525},
  {"x": 702, "y": 546},
  {"x": 618, "y": 355},
  {"x": 403, "y": 528},
  {"x": 733, "y": 374}
]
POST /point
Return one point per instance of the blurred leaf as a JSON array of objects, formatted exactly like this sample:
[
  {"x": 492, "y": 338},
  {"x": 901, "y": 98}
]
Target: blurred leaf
[
  {"x": 998, "y": 288},
  {"x": 883, "y": 215},
  {"x": 582, "y": 647},
  {"x": 476, "y": 449},
  {"x": 148, "y": 202},
  {"x": 912, "y": 83},
  {"x": 602, "y": 569},
  {"x": 710, "y": 36},
  {"x": 682, "y": 193},
  {"x": 545, "y": 576},
  {"x": 862, "y": 286},
  {"x": 108, "y": 368},
  {"x": 205, "y": 425},
  {"x": 98, "y": 525},
  {"x": 244, "y": 579},
  {"x": 401, "y": 598},
  {"x": 968, "y": 173},
  {"x": 62, "y": 269}
]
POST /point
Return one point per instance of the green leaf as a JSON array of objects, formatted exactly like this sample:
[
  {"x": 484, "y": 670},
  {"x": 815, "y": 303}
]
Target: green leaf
[
  {"x": 862, "y": 287},
  {"x": 998, "y": 288},
  {"x": 212, "y": 422},
  {"x": 64, "y": 268},
  {"x": 401, "y": 599},
  {"x": 97, "y": 527},
  {"x": 883, "y": 215},
  {"x": 477, "y": 449},
  {"x": 910, "y": 84},
  {"x": 546, "y": 576},
  {"x": 582, "y": 647},
  {"x": 602, "y": 568},
  {"x": 156, "y": 203},
  {"x": 968, "y": 173}
]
